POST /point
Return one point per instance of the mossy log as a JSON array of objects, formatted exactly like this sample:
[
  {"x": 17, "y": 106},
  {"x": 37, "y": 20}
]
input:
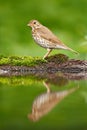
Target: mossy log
[{"x": 60, "y": 62}]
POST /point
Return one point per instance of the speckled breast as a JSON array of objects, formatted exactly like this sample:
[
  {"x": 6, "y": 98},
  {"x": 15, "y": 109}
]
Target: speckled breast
[{"x": 40, "y": 41}]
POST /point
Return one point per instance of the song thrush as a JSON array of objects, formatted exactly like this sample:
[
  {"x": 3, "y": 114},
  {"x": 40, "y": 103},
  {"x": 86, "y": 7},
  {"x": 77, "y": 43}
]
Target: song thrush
[{"x": 45, "y": 38}]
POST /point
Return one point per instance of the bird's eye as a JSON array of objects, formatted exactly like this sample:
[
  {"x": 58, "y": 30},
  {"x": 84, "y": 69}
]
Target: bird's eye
[{"x": 34, "y": 22}]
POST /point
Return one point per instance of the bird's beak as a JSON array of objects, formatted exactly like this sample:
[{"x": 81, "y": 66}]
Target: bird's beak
[{"x": 28, "y": 24}]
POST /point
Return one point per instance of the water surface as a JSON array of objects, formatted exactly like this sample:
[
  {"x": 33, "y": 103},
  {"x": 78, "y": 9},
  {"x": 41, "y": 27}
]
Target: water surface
[{"x": 43, "y": 101}]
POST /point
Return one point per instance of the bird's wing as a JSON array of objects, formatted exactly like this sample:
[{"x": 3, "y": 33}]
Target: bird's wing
[
  {"x": 48, "y": 35},
  {"x": 55, "y": 42}
]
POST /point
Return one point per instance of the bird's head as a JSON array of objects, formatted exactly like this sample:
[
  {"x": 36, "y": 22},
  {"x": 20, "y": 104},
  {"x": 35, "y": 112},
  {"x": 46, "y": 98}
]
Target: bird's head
[{"x": 34, "y": 24}]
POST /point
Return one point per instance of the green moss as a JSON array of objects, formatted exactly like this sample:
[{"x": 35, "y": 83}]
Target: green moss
[
  {"x": 25, "y": 60},
  {"x": 19, "y": 80}
]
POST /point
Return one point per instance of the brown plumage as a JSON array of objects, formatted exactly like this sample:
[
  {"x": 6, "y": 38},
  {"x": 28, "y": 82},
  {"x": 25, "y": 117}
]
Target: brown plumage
[
  {"x": 46, "y": 102},
  {"x": 45, "y": 38}
]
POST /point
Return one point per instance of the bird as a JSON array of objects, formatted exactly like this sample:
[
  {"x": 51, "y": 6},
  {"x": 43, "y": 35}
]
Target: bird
[{"x": 45, "y": 38}]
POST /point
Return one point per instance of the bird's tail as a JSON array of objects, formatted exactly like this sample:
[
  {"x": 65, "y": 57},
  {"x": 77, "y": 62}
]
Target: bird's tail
[
  {"x": 73, "y": 51},
  {"x": 67, "y": 48}
]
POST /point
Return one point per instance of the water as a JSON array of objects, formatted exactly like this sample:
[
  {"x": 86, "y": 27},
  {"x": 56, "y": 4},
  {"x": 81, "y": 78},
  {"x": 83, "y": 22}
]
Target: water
[{"x": 43, "y": 101}]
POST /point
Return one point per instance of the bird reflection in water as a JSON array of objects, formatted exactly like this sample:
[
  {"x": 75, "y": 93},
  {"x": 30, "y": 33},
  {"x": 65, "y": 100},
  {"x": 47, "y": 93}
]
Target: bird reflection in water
[{"x": 44, "y": 103}]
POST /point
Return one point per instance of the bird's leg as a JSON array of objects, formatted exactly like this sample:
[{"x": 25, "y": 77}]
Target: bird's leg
[
  {"x": 48, "y": 52},
  {"x": 47, "y": 86}
]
